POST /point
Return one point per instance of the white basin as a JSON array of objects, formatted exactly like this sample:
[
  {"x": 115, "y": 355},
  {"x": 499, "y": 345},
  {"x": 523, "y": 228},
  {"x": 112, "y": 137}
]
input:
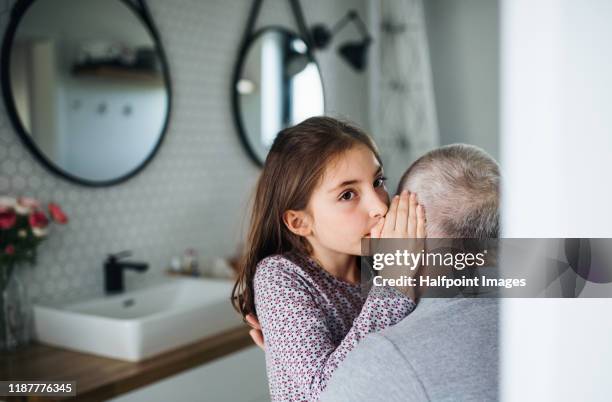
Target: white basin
[{"x": 139, "y": 324}]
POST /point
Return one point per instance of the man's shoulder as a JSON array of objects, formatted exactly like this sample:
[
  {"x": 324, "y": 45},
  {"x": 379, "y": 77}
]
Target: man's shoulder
[
  {"x": 434, "y": 314},
  {"x": 444, "y": 327},
  {"x": 373, "y": 369},
  {"x": 441, "y": 339}
]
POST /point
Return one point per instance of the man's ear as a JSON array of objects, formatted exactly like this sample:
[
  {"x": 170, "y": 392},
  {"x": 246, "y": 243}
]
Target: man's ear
[{"x": 298, "y": 222}]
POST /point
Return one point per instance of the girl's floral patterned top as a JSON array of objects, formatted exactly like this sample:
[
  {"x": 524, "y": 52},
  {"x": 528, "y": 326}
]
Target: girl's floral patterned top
[{"x": 311, "y": 320}]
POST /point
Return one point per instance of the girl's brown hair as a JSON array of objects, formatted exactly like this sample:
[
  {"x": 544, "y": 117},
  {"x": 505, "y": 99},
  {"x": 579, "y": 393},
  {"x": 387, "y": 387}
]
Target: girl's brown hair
[{"x": 292, "y": 170}]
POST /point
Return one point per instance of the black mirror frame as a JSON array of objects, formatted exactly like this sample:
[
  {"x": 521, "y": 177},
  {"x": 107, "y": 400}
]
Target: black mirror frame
[
  {"x": 142, "y": 13},
  {"x": 237, "y": 73}
]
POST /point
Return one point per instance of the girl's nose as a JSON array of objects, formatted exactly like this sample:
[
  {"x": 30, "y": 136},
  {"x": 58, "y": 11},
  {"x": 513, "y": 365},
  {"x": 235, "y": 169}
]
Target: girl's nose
[{"x": 378, "y": 207}]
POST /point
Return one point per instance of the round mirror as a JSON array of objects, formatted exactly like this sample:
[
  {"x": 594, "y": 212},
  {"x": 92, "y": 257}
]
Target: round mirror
[
  {"x": 277, "y": 84},
  {"x": 86, "y": 86}
]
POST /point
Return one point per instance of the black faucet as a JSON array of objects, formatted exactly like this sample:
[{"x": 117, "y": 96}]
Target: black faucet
[{"x": 113, "y": 271}]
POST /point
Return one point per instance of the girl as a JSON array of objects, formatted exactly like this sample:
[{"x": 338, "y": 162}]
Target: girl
[{"x": 320, "y": 192}]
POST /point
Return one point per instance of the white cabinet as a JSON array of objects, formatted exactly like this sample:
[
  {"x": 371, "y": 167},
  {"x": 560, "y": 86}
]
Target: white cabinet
[{"x": 238, "y": 377}]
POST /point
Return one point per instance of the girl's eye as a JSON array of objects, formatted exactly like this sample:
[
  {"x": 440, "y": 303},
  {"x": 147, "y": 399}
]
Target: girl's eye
[
  {"x": 380, "y": 181},
  {"x": 347, "y": 196}
]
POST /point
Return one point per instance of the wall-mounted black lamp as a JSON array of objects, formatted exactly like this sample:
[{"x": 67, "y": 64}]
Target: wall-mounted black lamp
[{"x": 353, "y": 52}]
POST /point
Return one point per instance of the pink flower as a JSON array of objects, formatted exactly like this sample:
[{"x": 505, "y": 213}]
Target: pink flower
[
  {"x": 25, "y": 205},
  {"x": 7, "y": 218},
  {"x": 9, "y": 250},
  {"x": 38, "y": 219},
  {"x": 57, "y": 214}
]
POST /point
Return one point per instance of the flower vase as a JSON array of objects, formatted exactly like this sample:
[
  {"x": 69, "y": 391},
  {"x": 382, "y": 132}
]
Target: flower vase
[{"x": 14, "y": 312}]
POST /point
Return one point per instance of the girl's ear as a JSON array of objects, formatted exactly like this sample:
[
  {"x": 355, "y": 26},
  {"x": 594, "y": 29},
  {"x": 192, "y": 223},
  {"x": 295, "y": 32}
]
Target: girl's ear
[{"x": 297, "y": 222}]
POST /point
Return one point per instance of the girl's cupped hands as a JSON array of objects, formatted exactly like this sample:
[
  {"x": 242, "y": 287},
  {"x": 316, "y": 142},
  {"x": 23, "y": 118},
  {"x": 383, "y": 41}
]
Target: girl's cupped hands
[{"x": 405, "y": 219}]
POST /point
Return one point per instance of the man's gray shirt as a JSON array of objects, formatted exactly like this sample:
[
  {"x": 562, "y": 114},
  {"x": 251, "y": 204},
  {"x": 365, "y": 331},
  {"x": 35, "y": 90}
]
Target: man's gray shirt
[{"x": 445, "y": 350}]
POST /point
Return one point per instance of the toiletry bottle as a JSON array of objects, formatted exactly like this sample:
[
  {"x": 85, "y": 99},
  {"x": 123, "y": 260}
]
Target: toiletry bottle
[
  {"x": 175, "y": 265},
  {"x": 190, "y": 262}
]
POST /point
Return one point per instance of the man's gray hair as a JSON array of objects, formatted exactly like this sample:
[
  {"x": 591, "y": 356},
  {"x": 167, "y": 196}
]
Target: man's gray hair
[{"x": 458, "y": 185}]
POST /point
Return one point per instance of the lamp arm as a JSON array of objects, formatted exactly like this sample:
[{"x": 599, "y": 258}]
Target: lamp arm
[
  {"x": 362, "y": 27},
  {"x": 352, "y": 14}
]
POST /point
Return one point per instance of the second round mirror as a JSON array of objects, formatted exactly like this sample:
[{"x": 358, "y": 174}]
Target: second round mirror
[{"x": 278, "y": 85}]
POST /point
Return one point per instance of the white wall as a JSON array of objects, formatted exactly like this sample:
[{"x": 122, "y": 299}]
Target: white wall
[
  {"x": 556, "y": 143},
  {"x": 463, "y": 40}
]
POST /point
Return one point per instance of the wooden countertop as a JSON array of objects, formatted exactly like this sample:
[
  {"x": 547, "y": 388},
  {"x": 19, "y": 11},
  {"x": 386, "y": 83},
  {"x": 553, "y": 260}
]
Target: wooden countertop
[{"x": 99, "y": 378}]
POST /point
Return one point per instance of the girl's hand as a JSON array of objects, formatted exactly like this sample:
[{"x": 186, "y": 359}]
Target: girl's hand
[
  {"x": 255, "y": 333},
  {"x": 404, "y": 220}
]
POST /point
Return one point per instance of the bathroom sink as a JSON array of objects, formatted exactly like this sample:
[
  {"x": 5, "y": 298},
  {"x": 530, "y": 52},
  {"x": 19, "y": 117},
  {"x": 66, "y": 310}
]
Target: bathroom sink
[{"x": 139, "y": 324}]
